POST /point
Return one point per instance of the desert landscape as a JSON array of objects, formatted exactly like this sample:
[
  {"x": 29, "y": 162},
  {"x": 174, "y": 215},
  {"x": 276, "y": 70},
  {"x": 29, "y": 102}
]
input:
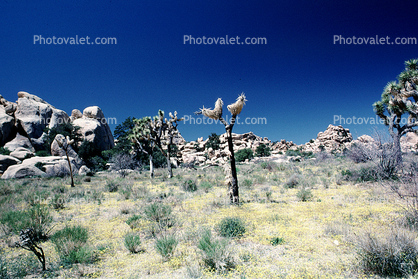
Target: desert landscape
[{"x": 334, "y": 207}]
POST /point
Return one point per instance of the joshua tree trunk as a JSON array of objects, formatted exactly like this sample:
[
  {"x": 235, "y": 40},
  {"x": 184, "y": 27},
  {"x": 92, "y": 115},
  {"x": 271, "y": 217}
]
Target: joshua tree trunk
[
  {"x": 71, "y": 169},
  {"x": 397, "y": 148},
  {"x": 151, "y": 166},
  {"x": 233, "y": 185}
]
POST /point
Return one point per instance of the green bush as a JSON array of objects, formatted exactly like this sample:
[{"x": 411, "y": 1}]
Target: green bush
[
  {"x": 4, "y": 151},
  {"x": 247, "y": 183},
  {"x": 133, "y": 221},
  {"x": 277, "y": 241},
  {"x": 262, "y": 150},
  {"x": 393, "y": 255},
  {"x": 205, "y": 185},
  {"x": 70, "y": 244},
  {"x": 160, "y": 214},
  {"x": 112, "y": 186},
  {"x": 42, "y": 153},
  {"x": 243, "y": 154},
  {"x": 293, "y": 181},
  {"x": 216, "y": 256},
  {"x": 166, "y": 245},
  {"x": 297, "y": 152},
  {"x": 304, "y": 194},
  {"x": 189, "y": 186},
  {"x": 133, "y": 242},
  {"x": 213, "y": 142},
  {"x": 231, "y": 227},
  {"x": 36, "y": 217}
]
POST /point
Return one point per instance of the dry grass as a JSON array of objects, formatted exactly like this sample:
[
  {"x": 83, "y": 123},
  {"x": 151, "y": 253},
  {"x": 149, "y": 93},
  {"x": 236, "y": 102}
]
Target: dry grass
[{"x": 318, "y": 235}]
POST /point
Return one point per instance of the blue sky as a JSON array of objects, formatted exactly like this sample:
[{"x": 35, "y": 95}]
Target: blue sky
[{"x": 297, "y": 81}]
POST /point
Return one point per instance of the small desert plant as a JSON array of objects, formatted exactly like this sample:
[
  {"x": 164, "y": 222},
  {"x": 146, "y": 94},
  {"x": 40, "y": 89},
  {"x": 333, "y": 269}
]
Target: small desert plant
[
  {"x": 112, "y": 186},
  {"x": 206, "y": 186},
  {"x": 392, "y": 255},
  {"x": 215, "y": 253},
  {"x": 70, "y": 244},
  {"x": 277, "y": 241},
  {"x": 243, "y": 154},
  {"x": 133, "y": 242},
  {"x": 231, "y": 227},
  {"x": 133, "y": 221},
  {"x": 304, "y": 194},
  {"x": 292, "y": 182},
  {"x": 247, "y": 183},
  {"x": 189, "y": 186},
  {"x": 166, "y": 245},
  {"x": 58, "y": 201},
  {"x": 157, "y": 212}
]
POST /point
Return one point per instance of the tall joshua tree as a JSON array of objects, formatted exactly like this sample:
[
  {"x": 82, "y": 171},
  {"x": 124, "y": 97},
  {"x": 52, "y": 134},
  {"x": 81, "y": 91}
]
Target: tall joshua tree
[
  {"x": 216, "y": 114},
  {"x": 157, "y": 132},
  {"x": 398, "y": 99}
]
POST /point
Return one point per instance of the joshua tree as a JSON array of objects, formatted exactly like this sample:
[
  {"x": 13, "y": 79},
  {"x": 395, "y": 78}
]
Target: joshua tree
[
  {"x": 64, "y": 144},
  {"x": 157, "y": 132},
  {"x": 216, "y": 114},
  {"x": 399, "y": 98}
]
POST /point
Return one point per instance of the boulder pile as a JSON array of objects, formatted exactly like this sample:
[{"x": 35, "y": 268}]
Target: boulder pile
[{"x": 22, "y": 131}]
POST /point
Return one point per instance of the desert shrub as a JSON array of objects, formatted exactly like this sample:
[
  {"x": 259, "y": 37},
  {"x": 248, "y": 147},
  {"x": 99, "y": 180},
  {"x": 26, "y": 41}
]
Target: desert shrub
[
  {"x": 70, "y": 244},
  {"x": 247, "y": 183},
  {"x": 206, "y": 186},
  {"x": 213, "y": 142},
  {"x": 216, "y": 256},
  {"x": 161, "y": 215},
  {"x": 270, "y": 166},
  {"x": 42, "y": 153},
  {"x": 243, "y": 154},
  {"x": 4, "y": 151},
  {"x": 298, "y": 152},
  {"x": 293, "y": 181},
  {"x": 58, "y": 201},
  {"x": 231, "y": 227},
  {"x": 262, "y": 150},
  {"x": 133, "y": 221},
  {"x": 392, "y": 255},
  {"x": 358, "y": 154},
  {"x": 37, "y": 217},
  {"x": 189, "y": 186},
  {"x": 304, "y": 194},
  {"x": 122, "y": 162},
  {"x": 276, "y": 241},
  {"x": 112, "y": 186},
  {"x": 166, "y": 245},
  {"x": 132, "y": 242}
]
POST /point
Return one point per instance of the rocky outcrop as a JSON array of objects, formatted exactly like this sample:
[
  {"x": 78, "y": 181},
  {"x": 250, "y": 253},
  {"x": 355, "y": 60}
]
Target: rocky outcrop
[
  {"x": 22, "y": 171},
  {"x": 18, "y": 142},
  {"x": 7, "y": 126},
  {"x": 22, "y": 153},
  {"x": 334, "y": 138},
  {"x": 94, "y": 127},
  {"x": 7, "y": 161},
  {"x": 282, "y": 146},
  {"x": 409, "y": 142},
  {"x": 34, "y": 115}
]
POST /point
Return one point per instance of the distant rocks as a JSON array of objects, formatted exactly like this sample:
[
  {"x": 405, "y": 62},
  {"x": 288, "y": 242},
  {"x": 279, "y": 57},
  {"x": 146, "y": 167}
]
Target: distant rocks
[{"x": 334, "y": 138}]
